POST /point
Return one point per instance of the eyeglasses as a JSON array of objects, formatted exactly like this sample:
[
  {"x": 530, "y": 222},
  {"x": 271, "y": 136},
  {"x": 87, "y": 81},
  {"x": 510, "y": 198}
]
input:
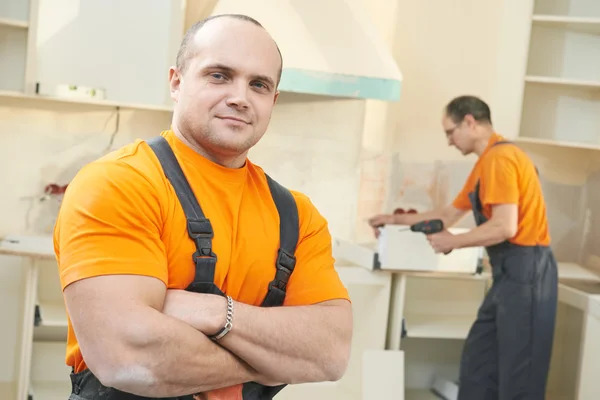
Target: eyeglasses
[{"x": 450, "y": 131}]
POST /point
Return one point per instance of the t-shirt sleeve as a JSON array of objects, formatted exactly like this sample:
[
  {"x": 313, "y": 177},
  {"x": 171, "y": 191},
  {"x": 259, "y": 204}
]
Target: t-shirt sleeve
[
  {"x": 109, "y": 223},
  {"x": 314, "y": 278},
  {"x": 499, "y": 180},
  {"x": 461, "y": 201}
]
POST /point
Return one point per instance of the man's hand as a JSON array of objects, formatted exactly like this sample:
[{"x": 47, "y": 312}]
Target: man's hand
[
  {"x": 380, "y": 220},
  {"x": 208, "y": 316},
  {"x": 442, "y": 242}
]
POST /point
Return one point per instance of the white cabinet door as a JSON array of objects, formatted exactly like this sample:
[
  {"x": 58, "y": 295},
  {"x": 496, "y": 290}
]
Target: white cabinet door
[{"x": 122, "y": 47}]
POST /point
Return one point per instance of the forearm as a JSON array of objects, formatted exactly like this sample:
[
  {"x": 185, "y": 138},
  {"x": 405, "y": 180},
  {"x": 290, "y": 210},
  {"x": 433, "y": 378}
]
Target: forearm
[
  {"x": 488, "y": 234},
  {"x": 286, "y": 344},
  {"x": 448, "y": 214},
  {"x": 293, "y": 344},
  {"x": 160, "y": 356}
]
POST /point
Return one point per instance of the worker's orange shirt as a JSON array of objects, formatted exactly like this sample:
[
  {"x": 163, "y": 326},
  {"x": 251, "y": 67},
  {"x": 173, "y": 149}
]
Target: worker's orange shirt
[
  {"x": 120, "y": 215},
  {"x": 508, "y": 176}
]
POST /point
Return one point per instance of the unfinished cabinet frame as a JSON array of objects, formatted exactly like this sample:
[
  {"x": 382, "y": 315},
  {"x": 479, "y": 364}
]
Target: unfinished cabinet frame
[
  {"x": 40, "y": 372},
  {"x": 560, "y": 114},
  {"x": 433, "y": 307},
  {"x": 38, "y": 38}
]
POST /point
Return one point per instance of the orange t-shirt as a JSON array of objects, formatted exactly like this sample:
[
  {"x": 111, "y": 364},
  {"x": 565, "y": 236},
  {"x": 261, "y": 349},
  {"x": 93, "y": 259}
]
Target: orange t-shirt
[
  {"x": 508, "y": 176},
  {"x": 120, "y": 215}
]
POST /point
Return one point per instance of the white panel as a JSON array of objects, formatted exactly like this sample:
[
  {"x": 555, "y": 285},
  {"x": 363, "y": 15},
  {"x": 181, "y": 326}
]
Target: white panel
[
  {"x": 370, "y": 295},
  {"x": 561, "y": 113},
  {"x": 589, "y": 384},
  {"x": 573, "y": 8},
  {"x": 13, "y": 47},
  {"x": 383, "y": 374},
  {"x": 426, "y": 359},
  {"x": 11, "y": 308},
  {"x": 14, "y": 9},
  {"x": 49, "y": 373},
  {"x": 123, "y": 47},
  {"x": 53, "y": 315},
  {"x": 402, "y": 249},
  {"x": 442, "y": 308},
  {"x": 558, "y": 52}
]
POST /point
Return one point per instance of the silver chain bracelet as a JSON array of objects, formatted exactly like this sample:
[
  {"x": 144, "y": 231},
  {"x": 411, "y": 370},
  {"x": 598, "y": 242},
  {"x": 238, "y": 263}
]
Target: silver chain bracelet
[{"x": 228, "y": 321}]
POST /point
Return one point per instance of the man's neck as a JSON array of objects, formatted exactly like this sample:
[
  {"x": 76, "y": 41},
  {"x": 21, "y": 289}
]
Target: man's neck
[
  {"x": 227, "y": 162},
  {"x": 484, "y": 139}
]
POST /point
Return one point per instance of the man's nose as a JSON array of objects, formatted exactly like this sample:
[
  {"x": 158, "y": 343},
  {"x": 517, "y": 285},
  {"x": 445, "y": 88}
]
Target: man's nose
[{"x": 238, "y": 97}]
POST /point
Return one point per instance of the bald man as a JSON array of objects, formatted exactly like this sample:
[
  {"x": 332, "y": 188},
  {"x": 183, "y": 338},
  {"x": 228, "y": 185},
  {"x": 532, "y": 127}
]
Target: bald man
[{"x": 177, "y": 254}]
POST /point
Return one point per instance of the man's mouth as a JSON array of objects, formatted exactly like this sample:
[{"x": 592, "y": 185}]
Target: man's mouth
[{"x": 231, "y": 118}]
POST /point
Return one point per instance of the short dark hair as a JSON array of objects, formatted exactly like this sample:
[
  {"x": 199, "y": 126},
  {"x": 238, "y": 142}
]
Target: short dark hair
[
  {"x": 185, "y": 52},
  {"x": 462, "y": 106}
]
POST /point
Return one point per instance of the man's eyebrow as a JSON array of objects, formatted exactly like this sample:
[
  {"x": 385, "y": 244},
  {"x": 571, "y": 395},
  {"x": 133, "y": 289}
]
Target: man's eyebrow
[
  {"x": 265, "y": 79},
  {"x": 225, "y": 68},
  {"x": 221, "y": 67}
]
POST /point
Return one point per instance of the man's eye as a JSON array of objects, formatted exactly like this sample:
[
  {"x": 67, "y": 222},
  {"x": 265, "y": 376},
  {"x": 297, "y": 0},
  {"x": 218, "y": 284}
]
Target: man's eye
[{"x": 216, "y": 75}]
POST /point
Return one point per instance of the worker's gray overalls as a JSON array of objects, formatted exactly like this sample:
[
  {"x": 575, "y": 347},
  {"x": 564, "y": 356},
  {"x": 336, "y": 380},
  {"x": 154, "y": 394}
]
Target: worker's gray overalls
[{"x": 507, "y": 352}]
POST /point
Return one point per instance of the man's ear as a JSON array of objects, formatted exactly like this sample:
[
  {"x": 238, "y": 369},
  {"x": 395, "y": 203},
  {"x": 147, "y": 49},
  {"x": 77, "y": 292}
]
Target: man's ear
[
  {"x": 276, "y": 97},
  {"x": 469, "y": 120},
  {"x": 174, "y": 82}
]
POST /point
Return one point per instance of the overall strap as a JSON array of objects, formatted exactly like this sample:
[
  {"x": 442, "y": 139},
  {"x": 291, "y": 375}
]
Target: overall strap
[
  {"x": 198, "y": 226},
  {"x": 289, "y": 228}
]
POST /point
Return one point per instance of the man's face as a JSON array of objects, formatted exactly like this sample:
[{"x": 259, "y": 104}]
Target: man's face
[
  {"x": 225, "y": 97},
  {"x": 461, "y": 134}
]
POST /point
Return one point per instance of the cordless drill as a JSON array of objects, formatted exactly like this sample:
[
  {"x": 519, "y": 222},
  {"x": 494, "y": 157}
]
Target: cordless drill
[{"x": 428, "y": 227}]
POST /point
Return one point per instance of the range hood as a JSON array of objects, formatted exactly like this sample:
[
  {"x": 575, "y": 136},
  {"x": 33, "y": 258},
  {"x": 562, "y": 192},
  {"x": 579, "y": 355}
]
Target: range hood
[{"x": 329, "y": 47}]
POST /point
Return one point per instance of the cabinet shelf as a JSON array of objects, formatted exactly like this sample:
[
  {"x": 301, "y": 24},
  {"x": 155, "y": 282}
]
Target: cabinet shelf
[
  {"x": 561, "y": 110},
  {"x": 18, "y": 97},
  {"x": 574, "y": 24},
  {"x": 570, "y": 83},
  {"x": 28, "y": 246},
  {"x": 438, "y": 326},
  {"x": 441, "y": 308},
  {"x": 13, "y": 23}
]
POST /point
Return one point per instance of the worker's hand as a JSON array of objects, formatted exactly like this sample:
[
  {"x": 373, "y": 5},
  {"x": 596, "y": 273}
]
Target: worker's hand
[
  {"x": 380, "y": 220},
  {"x": 204, "y": 312},
  {"x": 442, "y": 242}
]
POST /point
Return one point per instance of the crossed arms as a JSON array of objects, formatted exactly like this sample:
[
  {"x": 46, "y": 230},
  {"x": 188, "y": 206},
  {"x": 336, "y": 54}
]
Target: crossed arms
[{"x": 141, "y": 350}]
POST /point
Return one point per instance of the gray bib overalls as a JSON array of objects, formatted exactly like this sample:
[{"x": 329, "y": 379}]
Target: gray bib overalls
[{"x": 507, "y": 352}]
